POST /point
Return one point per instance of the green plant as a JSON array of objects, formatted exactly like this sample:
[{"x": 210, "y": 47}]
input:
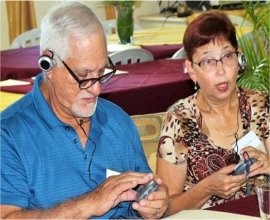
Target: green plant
[
  {"x": 124, "y": 18},
  {"x": 122, "y": 3},
  {"x": 255, "y": 45}
]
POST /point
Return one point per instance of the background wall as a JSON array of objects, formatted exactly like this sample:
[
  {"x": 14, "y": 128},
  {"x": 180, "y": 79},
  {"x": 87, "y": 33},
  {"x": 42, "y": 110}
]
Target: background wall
[{"x": 41, "y": 8}]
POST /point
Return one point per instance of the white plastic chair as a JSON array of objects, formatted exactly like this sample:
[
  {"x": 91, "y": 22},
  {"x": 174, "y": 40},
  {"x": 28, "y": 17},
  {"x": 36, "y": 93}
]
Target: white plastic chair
[
  {"x": 179, "y": 54},
  {"x": 128, "y": 56},
  {"x": 27, "y": 39},
  {"x": 110, "y": 26},
  {"x": 149, "y": 127},
  {"x": 238, "y": 20}
]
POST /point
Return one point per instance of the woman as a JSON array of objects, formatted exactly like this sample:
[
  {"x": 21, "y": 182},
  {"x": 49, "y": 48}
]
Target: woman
[{"x": 198, "y": 145}]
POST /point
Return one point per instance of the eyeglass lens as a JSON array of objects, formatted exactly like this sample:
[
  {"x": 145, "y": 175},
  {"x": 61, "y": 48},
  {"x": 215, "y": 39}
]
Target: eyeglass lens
[
  {"x": 211, "y": 64},
  {"x": 86, "y": 83}
]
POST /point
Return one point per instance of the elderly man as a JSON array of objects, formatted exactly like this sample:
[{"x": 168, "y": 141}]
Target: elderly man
[{"x": 61, "y": 143}]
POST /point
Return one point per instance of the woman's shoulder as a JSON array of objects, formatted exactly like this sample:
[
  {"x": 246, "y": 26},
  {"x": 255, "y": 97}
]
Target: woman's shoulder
[
  {"x": 255, "y": 98},
  {"x": 252, "y": 93},
  {"x": 185, "y": 107},
  {"x": 187, "y": 103}
]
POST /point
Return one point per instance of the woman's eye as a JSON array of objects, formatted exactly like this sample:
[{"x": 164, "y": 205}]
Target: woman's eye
[
  {"x": 206, "y": 62},
  {"x": 228, "y": 56}
]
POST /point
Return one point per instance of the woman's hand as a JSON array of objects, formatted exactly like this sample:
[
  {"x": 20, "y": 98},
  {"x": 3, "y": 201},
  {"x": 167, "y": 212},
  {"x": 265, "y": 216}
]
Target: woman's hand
[
  {"x": 262, "y": 165},
  {"x": 156, "y": 204},
  {"x": 224, "y": 185}
]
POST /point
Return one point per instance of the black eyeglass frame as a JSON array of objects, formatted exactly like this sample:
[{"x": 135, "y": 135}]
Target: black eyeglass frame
[
  {"x": 219, "y": 60},
  {"x": 92, "y": 80}
]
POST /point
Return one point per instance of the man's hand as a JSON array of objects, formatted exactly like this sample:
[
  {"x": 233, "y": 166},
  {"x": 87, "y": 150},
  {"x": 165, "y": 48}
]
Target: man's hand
[
  {"x": 116, "y": 189},
  {"x": 156, "y": 204}
]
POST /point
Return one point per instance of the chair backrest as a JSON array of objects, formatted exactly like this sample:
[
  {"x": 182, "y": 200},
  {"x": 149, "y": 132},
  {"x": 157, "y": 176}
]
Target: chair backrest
[
  {"x": 27, "y": 39},
  {"x": 128, "y": 56},
  {"x": 109, "y": 26},
  {"x": 238, "y": 20},
  {"x": 179, "y": 54},
  {"x": 149, "y": 127}
]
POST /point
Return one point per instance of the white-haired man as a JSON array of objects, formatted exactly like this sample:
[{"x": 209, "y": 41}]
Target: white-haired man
[{"x": 60, "y": 142}]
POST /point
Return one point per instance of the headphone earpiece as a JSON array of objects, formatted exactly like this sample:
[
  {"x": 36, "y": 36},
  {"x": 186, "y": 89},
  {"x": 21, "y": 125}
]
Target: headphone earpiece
[
  {"x": 242, "y": 60},
  {"x": 46, "y": 62}
]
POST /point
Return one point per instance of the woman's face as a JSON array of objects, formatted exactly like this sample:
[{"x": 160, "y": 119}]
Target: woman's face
[{"x": 215, "y": 67}]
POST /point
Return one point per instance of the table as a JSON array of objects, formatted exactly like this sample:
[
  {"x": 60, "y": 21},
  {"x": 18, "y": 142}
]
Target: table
[
  {"x": 162, "y": 42},
  {"x": 245, "y": 206},
  {"x": 150, "y": 97},
  {"x": 19, "y": 63},
  {"x": 155, "y": 36},
  {"x": 148, "y": 87},
  {"x": 245, "y": 209},
  {"x": 171, "y": 19},
  {"x": 22, "y": 63},
  {"x": 159, "y": 20},
  {"x": 165, "y": 35}
]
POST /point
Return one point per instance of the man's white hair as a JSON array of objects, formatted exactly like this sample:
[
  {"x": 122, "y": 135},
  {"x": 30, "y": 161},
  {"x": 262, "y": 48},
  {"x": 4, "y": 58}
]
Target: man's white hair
[{"x": 65, "y": 22}]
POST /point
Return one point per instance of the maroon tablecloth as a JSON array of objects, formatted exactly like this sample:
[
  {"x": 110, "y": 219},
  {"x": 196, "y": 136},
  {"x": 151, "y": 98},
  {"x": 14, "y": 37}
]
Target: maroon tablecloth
[
  {"x": 147, "y": 87},
  {"x": 244, "y": 206},
  {"x": 19, "y": 63},
  {"x": 22, "y": 63},
  {"x": 162, "y": 51}
]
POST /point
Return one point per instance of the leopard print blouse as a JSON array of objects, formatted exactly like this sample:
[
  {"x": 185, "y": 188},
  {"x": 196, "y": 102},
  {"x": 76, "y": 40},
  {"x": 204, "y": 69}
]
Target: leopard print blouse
[{"x": 182, "y": 124}]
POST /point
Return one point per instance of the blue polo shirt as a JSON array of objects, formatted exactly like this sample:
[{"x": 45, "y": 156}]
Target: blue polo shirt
[{"x": 43, "y": 162}]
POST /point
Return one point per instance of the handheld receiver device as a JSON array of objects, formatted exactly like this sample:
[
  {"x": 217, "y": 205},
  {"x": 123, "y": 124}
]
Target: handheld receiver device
[
  {"x": 144, "y": 190},
  {"x": 244, "y": 166}
]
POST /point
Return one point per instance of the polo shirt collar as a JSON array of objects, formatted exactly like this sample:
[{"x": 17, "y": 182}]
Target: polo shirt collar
[
  {"x": 49, "y": 117},
  {"x": 42, "y": 107}
]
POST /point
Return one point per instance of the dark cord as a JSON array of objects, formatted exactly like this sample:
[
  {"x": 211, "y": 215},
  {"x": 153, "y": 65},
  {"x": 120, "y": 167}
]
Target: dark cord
[
  {"x": 248, "y": 157},
  {"x": 91, "y": 159},
  {"x": 80, "y": 123},
  {"x": 237, "y": 148},
  {"x": 236, "y": 135},
  {"x": 249, "y": 185}
]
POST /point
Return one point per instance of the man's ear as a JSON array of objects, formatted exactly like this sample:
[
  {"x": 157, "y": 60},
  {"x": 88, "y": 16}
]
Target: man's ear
[
  {"x": 190, "y": 70},
  {"x": 46, "y": 61}
]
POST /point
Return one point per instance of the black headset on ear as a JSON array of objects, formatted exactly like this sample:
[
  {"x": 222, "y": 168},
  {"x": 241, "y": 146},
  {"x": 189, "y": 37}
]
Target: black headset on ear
[
  {"x": 242, "y": 60},
  {"x": 46, "y": 62}
]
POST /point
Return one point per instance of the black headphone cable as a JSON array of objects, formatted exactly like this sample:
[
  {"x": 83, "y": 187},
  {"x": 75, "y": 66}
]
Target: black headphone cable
[{"x": 80, "y": 123}]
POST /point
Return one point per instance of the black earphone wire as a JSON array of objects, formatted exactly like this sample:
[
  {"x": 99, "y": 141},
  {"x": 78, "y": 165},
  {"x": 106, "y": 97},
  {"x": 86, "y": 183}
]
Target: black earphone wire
[{"x": 80, "y": 123}]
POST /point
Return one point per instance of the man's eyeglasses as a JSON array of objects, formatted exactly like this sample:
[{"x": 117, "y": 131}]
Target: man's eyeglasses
[
  {"x": 209, "y": 65},
  {"x": 87, "y": 83}
]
